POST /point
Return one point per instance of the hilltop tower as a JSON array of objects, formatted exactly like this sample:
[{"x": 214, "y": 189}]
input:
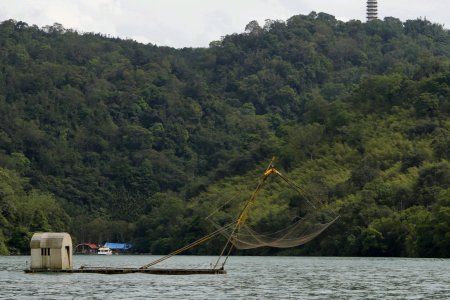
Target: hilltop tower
[{"x": 372, "y": 10}]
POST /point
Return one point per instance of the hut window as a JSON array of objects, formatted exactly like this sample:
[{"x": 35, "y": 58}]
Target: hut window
[{"x": 45, "y": 251}]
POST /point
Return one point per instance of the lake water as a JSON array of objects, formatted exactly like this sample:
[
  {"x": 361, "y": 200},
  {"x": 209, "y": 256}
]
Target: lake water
[{"x": 247, "y": 278}]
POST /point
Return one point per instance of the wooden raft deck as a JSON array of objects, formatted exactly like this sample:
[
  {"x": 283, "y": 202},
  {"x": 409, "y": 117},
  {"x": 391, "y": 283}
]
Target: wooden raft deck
[{"x": 111, "y": 271}]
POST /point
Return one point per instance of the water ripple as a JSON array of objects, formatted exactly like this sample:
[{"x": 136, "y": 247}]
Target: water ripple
[{"x": 247, "y": 278}]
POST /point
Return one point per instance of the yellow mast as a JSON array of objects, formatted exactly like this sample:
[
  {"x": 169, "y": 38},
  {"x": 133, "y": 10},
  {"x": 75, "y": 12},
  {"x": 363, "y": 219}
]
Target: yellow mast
[{"x": 244, "y": 214}]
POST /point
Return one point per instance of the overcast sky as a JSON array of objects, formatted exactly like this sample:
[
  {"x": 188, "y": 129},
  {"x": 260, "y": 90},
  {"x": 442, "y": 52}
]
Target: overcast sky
[{"x": 195, "y": 23}]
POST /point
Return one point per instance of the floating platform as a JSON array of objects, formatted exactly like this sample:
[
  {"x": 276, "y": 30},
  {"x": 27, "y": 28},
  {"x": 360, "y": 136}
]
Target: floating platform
[{"x": 112, "y": 271}]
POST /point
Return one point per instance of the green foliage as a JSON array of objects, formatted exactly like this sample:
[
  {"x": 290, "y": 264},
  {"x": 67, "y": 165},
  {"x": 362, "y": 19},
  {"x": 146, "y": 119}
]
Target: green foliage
[
  {"x": 25, "y": 210},
  {"x": 113, "y": 140}
]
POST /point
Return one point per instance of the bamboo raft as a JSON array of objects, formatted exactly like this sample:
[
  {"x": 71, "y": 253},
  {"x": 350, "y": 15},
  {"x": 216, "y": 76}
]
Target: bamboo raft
[{"x": 156, "y": 271}]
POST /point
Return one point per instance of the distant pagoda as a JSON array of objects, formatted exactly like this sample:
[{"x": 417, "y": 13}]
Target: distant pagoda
[{"x": 372, "y": 10}]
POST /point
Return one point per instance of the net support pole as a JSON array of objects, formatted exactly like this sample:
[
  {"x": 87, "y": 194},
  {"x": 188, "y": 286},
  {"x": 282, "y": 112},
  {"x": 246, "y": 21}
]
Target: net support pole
[{"x": 243, "y": 215}]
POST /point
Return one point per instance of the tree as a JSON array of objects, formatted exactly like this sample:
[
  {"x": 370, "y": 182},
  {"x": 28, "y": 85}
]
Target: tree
[{"x": 253, "y": 28}]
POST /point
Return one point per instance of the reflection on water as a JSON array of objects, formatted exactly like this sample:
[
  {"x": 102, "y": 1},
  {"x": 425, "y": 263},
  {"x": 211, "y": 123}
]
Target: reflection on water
[{"x": 247, "y": 278}]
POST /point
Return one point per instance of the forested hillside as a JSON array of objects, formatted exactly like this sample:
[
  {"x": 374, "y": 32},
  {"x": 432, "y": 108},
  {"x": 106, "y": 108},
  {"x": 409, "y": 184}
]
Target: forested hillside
[{"x": 112, "y": 140}]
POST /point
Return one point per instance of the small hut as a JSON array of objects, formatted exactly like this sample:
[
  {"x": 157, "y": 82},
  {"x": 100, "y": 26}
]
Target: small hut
[
  {"x": 86, "y": 248},
  {"x": 51, "y": 250}
]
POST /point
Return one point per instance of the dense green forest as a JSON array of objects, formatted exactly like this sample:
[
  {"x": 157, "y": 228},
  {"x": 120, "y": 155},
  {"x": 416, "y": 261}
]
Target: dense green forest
[{"x": 113, "y": 140}]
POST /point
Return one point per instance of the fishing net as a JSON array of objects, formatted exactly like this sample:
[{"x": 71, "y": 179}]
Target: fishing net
[
  {"x": 309, "y": 220},
  {"x": 313, "y": 222},
  {"x": 299, "y": 233}
]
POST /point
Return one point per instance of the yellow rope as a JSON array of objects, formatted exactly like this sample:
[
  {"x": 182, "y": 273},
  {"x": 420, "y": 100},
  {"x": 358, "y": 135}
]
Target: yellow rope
[{"x": 191, "y": 245}]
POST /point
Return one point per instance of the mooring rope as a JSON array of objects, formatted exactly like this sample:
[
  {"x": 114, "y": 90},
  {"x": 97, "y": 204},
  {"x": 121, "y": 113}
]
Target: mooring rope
[{"x": 191, "y": 245}]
